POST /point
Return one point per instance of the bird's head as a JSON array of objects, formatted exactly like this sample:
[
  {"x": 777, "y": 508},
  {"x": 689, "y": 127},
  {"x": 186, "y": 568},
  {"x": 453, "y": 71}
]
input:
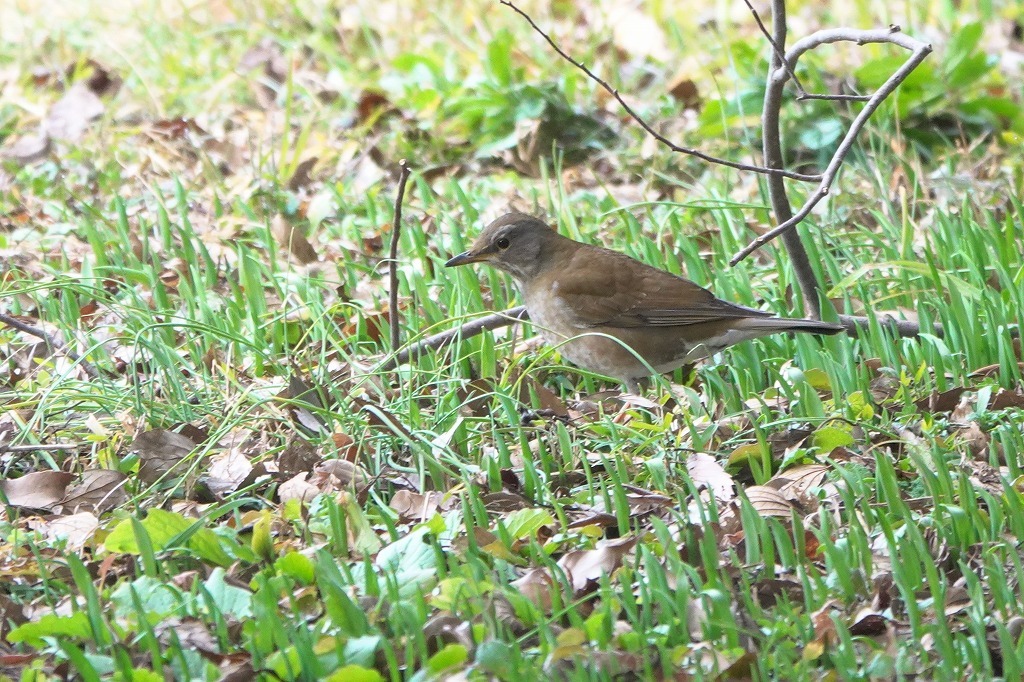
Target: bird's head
[{"x": 517, "y": 243}]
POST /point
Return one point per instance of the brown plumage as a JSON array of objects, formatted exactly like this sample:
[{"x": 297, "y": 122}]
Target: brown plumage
[{"x": 579, "y": 295}]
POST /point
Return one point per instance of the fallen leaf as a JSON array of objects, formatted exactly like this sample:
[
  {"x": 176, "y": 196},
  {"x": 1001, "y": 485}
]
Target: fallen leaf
[
  {"x": 161, "y": 453},
  {"x": 70, "y": 116},
  {"x": 75, "y": 529},
  {"x": 585, "y": 567},
  {"x": 706, "y": 472},
  {"x": 100, "y": 490},
  {"x": 38, "y": 490},
  {"x": 769, "y": 501},
  {"x": 297, "y": 488}
]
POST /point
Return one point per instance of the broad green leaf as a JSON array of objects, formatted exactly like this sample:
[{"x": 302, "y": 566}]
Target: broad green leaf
[
  {"x": 51, "y": 625},
  {"x": 524, "y": 523},
  {"x": 828, "y": 438}
]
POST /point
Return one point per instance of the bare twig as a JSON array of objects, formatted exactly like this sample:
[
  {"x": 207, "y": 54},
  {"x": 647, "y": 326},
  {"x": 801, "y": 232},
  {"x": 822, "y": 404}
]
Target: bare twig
[
  {"x": 777, "y": 57},
  {"x": 802, "y": 94},
  {"x": 770, "y": 119},
  {"x": 467, "y": 330},
  {"x": 51, "y": 447},
  {"x": 834, "y": 98},
  {"x": 904, "y": 328},
  {"x": 51, "y": 341},
  {"x": 774, "y": 172},
  {"x": 772, "y": 151},
  {"x": 396, "y": 232}
]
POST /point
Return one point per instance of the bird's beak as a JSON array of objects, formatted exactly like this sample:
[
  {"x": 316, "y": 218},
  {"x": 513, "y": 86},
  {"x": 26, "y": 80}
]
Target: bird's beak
[{"x": 465, "y": 258}]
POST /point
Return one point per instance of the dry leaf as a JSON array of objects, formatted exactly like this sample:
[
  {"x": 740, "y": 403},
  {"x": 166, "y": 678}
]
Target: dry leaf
[
  {"x": 99, "y": 491},
  {"x": 769, "y": 501},
  {"x": 297, "y": 488},
  {"x": 76, "y": 529},
  {"x": 160, "y": 453},
  {"x": 585, "y": 567},
  {"x": 69, "y": 117},
  {"x": 706, "y": 472},
  {"x": 38, "y": 490}
]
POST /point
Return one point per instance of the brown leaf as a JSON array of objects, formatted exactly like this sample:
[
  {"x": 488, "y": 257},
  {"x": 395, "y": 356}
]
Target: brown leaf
[
  {"x": 297, "y": 488},
  {"x": 294, "y": 238},
  {"x": 769, "y": 501},
  {"x": 28, "y": 148},
  {"x": 161, "y": 454},
  {"x": 99, "y": 491},
  {"x": 706, "y": 472},
  {"x": 70, "y": 116},
  {"x": 299, "y": 457},
  {"x": 585, "y": 567},
  {"x": 76, "y": 529},
  {"x": 418, "y": 507},
  {"x": 38, "y": 490}
]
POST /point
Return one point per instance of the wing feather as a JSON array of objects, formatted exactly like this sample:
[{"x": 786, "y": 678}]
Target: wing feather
[{"x": 611, "y": 289}]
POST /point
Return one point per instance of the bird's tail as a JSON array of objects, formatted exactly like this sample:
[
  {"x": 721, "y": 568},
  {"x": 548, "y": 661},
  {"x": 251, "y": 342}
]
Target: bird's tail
[{"x": 773, "y": 325}]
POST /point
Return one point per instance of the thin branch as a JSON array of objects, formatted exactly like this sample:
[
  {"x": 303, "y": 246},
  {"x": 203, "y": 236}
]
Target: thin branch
[
  {"x": 51, "y": 447},
  {"x": 802, "y": 94},
  {"x": 903, "y": 328},
  {"x": 777, "y": 57},
  {"x": 775, "y": 172},
  {"x": 778, "y": 78},
  {"x": 396, "y": 232},
  {"x": 833, "y": 98},
  {"x": 52, "y": 342},
  {"x": 771, "y": 148},
  {"x": 467, "y": 330}
]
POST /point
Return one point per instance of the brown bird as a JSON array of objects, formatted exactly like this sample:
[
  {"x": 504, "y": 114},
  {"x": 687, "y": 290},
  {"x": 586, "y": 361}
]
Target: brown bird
[{"x": 586, "y": 300}]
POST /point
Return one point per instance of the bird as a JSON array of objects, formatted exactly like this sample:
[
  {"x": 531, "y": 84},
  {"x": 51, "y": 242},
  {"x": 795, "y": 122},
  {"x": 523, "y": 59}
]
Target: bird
[{"x": 598, "y": 306}]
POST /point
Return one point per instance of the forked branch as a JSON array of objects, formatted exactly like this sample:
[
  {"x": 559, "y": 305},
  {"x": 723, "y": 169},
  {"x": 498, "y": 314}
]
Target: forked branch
[
  {"x": 777, "y": 79},
  {"x": 781, "y": 172}
]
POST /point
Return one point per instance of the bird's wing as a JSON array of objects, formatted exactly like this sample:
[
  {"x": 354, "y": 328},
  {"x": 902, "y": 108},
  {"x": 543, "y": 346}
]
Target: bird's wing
[{"x": 612, "y": 289}]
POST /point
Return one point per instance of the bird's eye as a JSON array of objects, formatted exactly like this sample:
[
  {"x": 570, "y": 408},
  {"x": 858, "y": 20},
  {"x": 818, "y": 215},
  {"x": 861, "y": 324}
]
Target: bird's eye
[{"x": 502, "y": 243}]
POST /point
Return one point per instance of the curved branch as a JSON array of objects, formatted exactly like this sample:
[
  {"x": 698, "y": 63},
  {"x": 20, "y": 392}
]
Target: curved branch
[
  {"x": 777, "y": 79},
  {"x": 773, "y": 172},
  {"x": 396, "y": 233},
  {"x": 52, "y": 342},
  {"x": 465, "y": 331}
]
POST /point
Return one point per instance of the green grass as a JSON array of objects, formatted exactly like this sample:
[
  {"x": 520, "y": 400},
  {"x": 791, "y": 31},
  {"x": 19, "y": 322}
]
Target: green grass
[{"x": 481, "y": 536}]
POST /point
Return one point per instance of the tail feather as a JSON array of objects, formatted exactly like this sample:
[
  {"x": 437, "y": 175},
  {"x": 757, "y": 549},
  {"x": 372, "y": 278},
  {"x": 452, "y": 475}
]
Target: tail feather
[{"x": 772, "y": 325}]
